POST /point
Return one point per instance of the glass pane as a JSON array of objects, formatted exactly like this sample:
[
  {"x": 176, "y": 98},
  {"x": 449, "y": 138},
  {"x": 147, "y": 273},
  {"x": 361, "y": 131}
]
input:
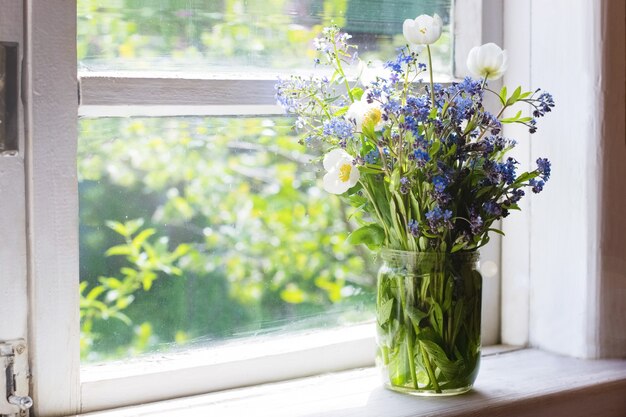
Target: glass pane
[
  {"x": 204, "y": 229},
  {"x": 234, "y": 35}
]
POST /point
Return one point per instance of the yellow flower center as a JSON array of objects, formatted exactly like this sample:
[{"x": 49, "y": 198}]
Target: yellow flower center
[
  {"x": 373, "y": 116},
  {"x": 423, "y": 31},
  {"x": 344, "y": 172}
]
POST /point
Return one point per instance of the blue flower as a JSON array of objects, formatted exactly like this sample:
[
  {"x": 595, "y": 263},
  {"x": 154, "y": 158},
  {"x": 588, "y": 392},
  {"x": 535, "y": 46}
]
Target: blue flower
[
  {"x": 516, "y": 196},
  {"x": 507, "y": 170},
  {"x": 476, "y": 223},
  {"x": 543, "y": 104},
  {"x": 543, "y": 166},
  {"x": 492, "y": 208},
  {"x": 440, "y": 183},
  {"x": 372, "y": 156},
  {"x": 537, "y": 185},
  {"x": 414, "y": 228},
  {"x": 438, "y": 218},
  {"x": 421, "y": 157},
  {"x": 339, "y": 128},
  {"x": 404, "y": 185}
]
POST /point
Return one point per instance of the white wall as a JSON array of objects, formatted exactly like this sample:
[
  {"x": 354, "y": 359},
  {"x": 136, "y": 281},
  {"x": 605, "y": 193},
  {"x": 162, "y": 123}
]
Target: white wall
[{"x": 566, "y": 255}]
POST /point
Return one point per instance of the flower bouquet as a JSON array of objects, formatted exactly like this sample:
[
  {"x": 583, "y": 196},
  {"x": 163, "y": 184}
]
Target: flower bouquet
[{"x": 425, "y": 166}]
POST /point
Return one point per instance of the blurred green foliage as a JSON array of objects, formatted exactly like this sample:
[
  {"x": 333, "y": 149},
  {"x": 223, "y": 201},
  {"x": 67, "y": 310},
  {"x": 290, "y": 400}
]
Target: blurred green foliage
[
  {"x": 213, "y": 228},
  {"x": 204, "y": 35},
  {"x": 229, "y": 232}
]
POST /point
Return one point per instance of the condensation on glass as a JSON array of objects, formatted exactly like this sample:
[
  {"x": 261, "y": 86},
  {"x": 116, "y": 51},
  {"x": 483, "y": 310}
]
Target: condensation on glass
[
  {"x": 8, "y": 96},
  {"x": 236, "y": 35}
]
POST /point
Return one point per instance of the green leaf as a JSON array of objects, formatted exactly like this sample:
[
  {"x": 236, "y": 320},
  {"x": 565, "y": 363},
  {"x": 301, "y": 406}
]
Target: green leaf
[
  {"x": 147, "y": 280},
  {"x": 141, "y": 237},
  {"x": 119, "y": 250},
  {"x": 458, "y": 246},
  {"x": 416, "y": 316},
  {"x": 121, "y": 317},
  {"x": 371, "y": 235},
  {"x": 526, "y": 176},
  {"x": 437, "y": 354},
  {"x": 368, "y": 129},
  {"x": 95, "y": 292},
  {"x": 512, "y": 119},
  {"x": 514, "y": 97},
  {"x": 394, "y": 182},
  {"x": 436, "y": 317},
  {"x": 110, "y": 282},
  {"x": 434, "y": 148},
  {"x": 341, "y": 111},
  {"x": 292, "y": 294},
  {"x": 117, "y": 227},
  {"x": 500, "y": 232},
  {"x": 357, "y": 93},
  {"x": 502, "y": 95},
  {"x": 384, "y": 312}
]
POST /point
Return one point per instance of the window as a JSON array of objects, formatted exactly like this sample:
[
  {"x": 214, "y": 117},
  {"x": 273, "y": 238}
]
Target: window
[
  {"x": 242, "y": 237},
  {"x": 135, "y": 160},
  {"x": 109, "y": 94}
]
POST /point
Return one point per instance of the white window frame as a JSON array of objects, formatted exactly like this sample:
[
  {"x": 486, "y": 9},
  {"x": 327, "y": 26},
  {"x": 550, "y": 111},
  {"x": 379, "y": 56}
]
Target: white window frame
[
  {"x": 163, "y": 94},
  {"x": 48, "y": 157},
  {"x": 52, "y": 199}
]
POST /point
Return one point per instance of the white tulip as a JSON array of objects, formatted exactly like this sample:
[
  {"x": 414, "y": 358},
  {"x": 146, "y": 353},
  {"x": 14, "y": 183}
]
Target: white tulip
[
  {"x": 423, "y": 30},
  {"x": 488, "y": 61},
  {"x": 361, "y": 112},
  {"x": 342, "y": 173}
]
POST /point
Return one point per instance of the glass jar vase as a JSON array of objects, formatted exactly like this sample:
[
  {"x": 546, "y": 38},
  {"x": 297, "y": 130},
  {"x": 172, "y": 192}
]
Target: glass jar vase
[{"x": 428, "y": 321}]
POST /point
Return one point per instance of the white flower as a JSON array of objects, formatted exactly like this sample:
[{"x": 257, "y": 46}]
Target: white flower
[
  {"x": 488, "y": 61},
  {"x": 363, "y": 112},
  {"x": 342, "y": 173},
  {"x": 423, "y": 30}
]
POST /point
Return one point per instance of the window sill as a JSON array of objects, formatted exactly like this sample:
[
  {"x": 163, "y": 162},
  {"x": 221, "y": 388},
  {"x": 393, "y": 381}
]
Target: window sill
[{"x": 517, "y": 383}]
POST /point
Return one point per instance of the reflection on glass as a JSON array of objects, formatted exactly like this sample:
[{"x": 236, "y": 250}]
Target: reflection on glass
[
  {"x": 203, "y": 229},
  {"x": 209, "y": 35}
]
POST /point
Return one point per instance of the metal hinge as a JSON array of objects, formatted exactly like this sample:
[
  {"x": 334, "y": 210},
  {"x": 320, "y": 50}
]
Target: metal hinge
[{"x": 14, "y": 381}]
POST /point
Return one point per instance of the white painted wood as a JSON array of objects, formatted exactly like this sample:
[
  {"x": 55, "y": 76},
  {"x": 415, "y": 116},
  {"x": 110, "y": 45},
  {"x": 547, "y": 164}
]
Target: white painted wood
[
  {"x": 568, "y": 254},
  {"x": 181, "y": 110},
  {"x": 174, "y": 89},
  {"x": 564, "y": 250},
  {"x": 468, "y": 24},
  {"x": 240, "y": 363},
  {"x": 516, "y": 245},
  {"x": 522, "y": 383},
  {"x": 490, "y": 268},
  {"x": 13, "y": 294},
  {"x": 612, "y": 288},
  {"x": 51, "y": 106}
]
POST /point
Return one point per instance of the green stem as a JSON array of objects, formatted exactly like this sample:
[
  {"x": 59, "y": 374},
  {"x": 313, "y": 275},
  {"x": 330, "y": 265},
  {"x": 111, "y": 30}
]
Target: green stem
[
  {"x": 409, "y": 331},
  {"x": 430, "y": 70},
  {"x": 482, "y": 87},
  {"x": 429, "y": 370},
  {"x": 343, "y": 75},
  {"x": 376, "y": 209}
]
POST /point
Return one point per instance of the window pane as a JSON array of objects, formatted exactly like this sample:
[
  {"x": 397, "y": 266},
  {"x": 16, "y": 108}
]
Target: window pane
[
  {"x": 234, "y": 35},
  {"x": 204, "y": 229}
]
